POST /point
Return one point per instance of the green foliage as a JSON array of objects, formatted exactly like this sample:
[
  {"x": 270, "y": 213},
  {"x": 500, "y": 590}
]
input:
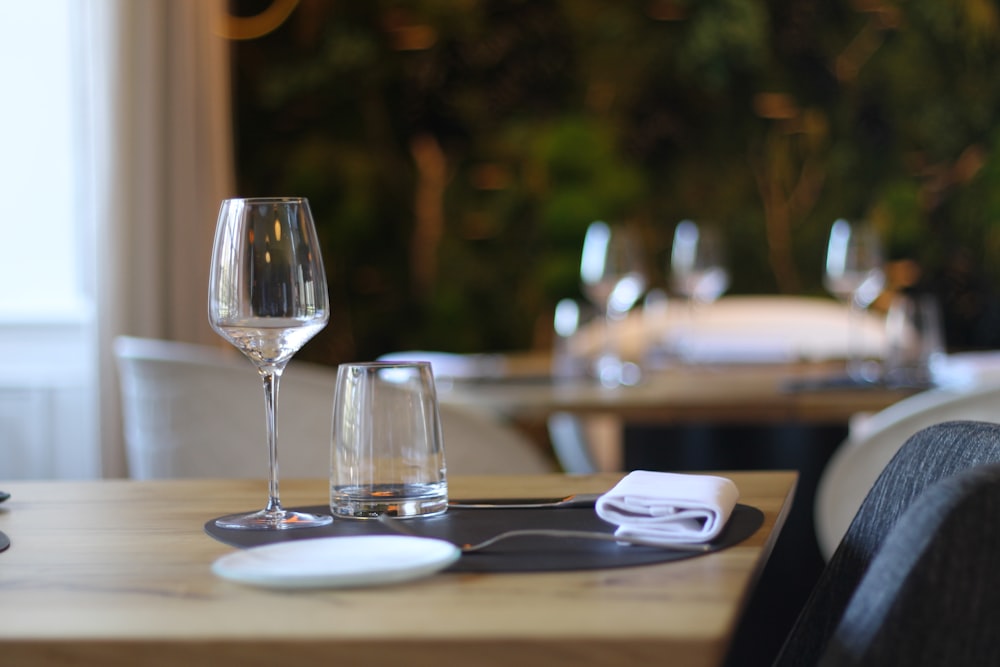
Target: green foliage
[{"x": 455, "y": 151}]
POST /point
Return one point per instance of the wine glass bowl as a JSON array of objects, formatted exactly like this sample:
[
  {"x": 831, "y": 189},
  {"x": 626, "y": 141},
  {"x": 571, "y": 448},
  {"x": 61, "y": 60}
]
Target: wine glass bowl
[
  {"x": 698, "y": 267},
  {"x": 854, "y": 263},
  {"x": 611, "y": 269},
  {"x": 267, "y": 296}
]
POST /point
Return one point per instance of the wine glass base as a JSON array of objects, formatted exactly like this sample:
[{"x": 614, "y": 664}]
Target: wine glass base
[
  {"x": 273, "y": 520},
  {"x": 613, "y": 372},
  {"x": 864, "y": 371}
]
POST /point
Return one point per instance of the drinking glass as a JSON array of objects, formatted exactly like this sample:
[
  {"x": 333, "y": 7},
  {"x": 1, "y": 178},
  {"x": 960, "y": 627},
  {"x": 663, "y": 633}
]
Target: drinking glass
[
  {"x": 267, "y": 296},
  {"x": 698, "y": 272},
  {"x": 698, "y": 262},
  {"x": 854, "y": 274},
  {"x": 613, "y": 279},
  {"x": 387, "y": 451},
  {"x": 914, "y": 340}
]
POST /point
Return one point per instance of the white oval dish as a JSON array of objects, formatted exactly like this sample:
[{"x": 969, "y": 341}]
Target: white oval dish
[{"x": 338, "y": 562}]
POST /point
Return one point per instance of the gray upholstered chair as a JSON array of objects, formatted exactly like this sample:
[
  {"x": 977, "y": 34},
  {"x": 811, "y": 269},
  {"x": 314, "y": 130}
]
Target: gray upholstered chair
[
  {"x": 862, "y": 608},
  {"x": 858, "y": 461},
  {"x": 932, "y": 594}
]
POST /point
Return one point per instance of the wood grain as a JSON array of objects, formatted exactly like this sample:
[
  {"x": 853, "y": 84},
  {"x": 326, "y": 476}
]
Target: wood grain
[{"x": 116, "y": 572}]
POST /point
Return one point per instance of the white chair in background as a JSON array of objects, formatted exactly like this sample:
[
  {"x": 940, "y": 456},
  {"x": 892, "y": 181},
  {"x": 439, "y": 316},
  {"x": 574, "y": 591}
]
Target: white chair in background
[
  {"x": 874, "y": 440},
  {"x": 567, "y": 433},
  {"x": 198, "y": 411}
]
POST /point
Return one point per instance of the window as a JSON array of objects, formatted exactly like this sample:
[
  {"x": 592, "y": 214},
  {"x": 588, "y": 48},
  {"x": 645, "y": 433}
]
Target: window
[{"x": 47, "y": 404}]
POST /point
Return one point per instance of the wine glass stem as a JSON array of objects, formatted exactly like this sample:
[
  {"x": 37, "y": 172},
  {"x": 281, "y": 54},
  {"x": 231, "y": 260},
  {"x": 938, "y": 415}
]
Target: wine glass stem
[
  {"x": 853, "y": 342},
  {"x": 685, "y": 333},
  {"x": 608, "y": 367},
  {"x": 271, "y": 378},
  {"x": 607, "y": 342},
  {"x": 855, "y": 335}
]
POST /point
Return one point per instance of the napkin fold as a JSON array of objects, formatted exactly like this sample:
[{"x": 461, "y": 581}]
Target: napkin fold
[{"x": 660, "y": 508}]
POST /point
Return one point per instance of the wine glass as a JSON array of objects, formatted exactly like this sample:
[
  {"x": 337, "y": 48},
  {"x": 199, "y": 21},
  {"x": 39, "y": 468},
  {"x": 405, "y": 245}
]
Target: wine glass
[
  {"x": 613, "y": 279},
  {"x": 698, "y": 262},
  {"x": 267, "y": 296},
  {"x": 854, "y": 274},
  {"x": 698, "y": 270}
]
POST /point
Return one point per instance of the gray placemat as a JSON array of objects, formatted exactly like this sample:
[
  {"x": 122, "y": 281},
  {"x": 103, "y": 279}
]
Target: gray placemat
[{"x": 528, "y": 554}]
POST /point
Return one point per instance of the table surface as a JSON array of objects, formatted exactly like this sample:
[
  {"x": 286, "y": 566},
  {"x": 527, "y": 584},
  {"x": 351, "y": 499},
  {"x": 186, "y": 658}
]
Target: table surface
[
  {"x": 117, "y": 572},
  {"x": 735, "y": 393}
]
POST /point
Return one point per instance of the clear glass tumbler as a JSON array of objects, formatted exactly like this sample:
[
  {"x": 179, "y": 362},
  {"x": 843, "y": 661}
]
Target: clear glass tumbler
[
  {"x": 914, "y": 340},
  {"x": 387, "y": 449}
]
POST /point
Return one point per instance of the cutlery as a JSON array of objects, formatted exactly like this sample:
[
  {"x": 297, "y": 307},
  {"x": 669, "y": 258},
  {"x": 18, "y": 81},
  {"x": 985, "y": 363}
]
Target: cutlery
[
  {"x": 400, "y": 527},
  {"x": 572, "y": 500},
  {"x": 4, "y": 540}
]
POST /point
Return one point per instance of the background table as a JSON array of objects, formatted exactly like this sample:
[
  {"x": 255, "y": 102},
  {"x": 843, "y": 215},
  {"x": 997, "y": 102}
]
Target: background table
[
  {"x": 735, "y": 393},
  {"x": 117, "y": 572}
]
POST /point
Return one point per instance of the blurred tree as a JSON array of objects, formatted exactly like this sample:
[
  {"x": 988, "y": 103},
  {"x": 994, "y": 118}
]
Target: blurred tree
[{"x": 455, "y": 150}]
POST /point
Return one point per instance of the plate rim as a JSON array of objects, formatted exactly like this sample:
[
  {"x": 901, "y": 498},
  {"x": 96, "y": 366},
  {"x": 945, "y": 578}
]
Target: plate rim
[{"x": 380, "y": 574}]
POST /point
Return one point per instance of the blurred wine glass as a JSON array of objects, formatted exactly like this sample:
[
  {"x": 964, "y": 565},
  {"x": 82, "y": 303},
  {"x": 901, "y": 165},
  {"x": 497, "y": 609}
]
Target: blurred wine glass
[
  {"x": 914, "y": 340},
  {"x": 854, "y": 274},
  {"x": 698, "y": 262},
  {"x": 613, "y": 279},
  {"x": 698, "y": 270}
]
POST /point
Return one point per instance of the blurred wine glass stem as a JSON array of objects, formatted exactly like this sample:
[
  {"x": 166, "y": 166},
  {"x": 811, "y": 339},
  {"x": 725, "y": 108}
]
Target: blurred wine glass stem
[
  {"x": 686, "y": 329},
  {"x": 610, "y": 369},
  {"x": 859, "y": 368}
]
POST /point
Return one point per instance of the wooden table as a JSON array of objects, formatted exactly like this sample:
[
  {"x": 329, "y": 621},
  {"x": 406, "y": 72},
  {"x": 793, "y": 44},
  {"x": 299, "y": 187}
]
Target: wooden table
[
  {"x": 745, "y": 394},
  {"x": 116, "y": 573}
]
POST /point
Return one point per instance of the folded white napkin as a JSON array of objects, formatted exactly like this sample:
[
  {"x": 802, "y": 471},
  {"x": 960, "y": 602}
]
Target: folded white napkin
[
  {"x": 661, "y": 507},
  {"x": 741, "y": 349}
]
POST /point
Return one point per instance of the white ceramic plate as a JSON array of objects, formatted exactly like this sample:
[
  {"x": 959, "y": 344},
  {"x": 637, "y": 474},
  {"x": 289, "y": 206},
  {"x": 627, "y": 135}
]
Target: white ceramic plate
[{"x": 338, "y": 562}]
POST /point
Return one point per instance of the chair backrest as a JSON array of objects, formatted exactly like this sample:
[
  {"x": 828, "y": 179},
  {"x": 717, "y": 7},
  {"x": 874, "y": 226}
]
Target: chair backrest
[
  {"x": 858, "y": 461},
  {"x": 932, "y": 594},
  {"x": 198, "y": 411},
  {"x": 567, "y": 432},
  {"x": 932, "y": 454},
  {"x": 570, "y": 443}
]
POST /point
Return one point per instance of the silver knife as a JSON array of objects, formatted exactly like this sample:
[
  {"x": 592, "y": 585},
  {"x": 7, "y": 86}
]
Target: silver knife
[
  {"x": 4, "y": 540},
  {"x": 574, "y": 500}
]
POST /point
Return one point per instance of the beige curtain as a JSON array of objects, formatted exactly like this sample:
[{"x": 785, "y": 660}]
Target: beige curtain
[{"x": 160, "y": 143}]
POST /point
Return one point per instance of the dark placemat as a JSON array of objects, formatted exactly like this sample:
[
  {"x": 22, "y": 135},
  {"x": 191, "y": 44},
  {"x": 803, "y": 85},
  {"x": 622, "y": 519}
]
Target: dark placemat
[
  {"x": 843, "y": 382},
  {"x": 527, "y": 554}
]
